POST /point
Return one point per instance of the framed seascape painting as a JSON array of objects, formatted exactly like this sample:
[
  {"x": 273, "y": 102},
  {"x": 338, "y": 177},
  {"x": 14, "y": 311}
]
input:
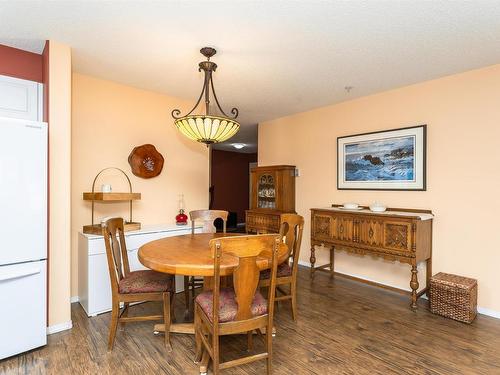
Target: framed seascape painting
[{"x": 386, "y": 160}]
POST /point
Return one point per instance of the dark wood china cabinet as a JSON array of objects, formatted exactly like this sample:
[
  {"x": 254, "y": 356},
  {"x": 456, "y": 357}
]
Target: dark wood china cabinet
[{"x": 273, "y": 193}]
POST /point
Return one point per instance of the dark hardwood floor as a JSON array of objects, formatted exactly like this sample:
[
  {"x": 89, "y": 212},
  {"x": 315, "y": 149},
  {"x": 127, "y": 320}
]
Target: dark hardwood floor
[{"x": 344, "y": 327}]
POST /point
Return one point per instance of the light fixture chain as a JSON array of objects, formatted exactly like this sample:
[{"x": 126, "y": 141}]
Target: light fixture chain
[{"x": 208, "y": 77}]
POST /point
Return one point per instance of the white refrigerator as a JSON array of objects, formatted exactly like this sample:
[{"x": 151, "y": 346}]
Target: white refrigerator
[{"x": 23, "y": 235}]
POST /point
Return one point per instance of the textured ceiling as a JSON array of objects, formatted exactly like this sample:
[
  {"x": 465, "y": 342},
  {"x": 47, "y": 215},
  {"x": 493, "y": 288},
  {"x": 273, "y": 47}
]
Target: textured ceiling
[{"x": 275, "y": 57}]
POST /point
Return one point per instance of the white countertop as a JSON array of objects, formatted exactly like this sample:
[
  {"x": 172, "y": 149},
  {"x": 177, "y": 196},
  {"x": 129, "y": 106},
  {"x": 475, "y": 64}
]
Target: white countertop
[
  {"x": 420, "y": 215},
  {"x": 153, "y": 228}
]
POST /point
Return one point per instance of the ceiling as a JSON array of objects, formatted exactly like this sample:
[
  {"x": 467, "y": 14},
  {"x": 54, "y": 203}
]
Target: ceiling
[{"x": 275, "y": 58}]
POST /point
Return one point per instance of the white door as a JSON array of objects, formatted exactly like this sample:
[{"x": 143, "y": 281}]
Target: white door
[
  {"x": 23, "y": 188},
  {"x": 23, "y": 312},
  {"x": 20, "y": 99}
]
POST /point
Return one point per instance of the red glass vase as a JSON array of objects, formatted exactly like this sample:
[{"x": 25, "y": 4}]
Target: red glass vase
[{"x": 181, "y": 218}]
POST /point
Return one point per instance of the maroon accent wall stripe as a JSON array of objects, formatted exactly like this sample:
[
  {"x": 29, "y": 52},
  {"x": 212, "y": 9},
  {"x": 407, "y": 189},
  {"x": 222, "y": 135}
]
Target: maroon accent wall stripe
[{"x": 21, "y": 64}]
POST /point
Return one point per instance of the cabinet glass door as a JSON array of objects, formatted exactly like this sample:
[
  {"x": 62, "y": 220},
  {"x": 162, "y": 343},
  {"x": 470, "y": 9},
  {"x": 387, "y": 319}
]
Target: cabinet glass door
[{"x": 266, "y": 192}]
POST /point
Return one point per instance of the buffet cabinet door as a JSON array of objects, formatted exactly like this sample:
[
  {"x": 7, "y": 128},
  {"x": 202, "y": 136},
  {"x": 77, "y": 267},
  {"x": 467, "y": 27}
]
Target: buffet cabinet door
[
  {"x": 344, "y": 228},
  {"x": 370, "y": 232},
  {"x": 398, "y": 236},
  {"x": 322, "y": 226}
]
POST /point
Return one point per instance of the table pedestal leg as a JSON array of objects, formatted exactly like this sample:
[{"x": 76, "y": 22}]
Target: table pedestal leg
[{"x": 208, "y": 283}]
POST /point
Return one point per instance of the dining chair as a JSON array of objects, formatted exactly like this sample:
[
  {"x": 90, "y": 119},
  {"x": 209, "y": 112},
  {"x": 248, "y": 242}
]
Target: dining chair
[
  {"x": 240, "y": 308},
  {"x": 291, "y": 229},
  {"x": 136, "y": 286},
  {"x": 207, "y": 217}
]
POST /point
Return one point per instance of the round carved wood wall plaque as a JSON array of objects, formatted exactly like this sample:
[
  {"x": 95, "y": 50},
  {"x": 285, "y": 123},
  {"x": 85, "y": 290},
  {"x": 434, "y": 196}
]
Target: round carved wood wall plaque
[{"x": 145, "y": 161}]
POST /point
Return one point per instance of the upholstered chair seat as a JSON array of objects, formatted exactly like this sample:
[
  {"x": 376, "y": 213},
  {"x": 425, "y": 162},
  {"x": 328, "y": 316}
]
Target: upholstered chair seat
[
  {"x": 284, "y": 270},
  {"x": 146, "y": 282},
  {"x": 228, "y": 307}
]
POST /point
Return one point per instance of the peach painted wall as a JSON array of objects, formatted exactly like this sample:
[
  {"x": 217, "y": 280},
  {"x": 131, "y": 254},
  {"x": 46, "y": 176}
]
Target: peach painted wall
[
  {"x": 59, "y": 184},
  {"x": 109, "y": 120},
  {"x": 463, "y": 183}
]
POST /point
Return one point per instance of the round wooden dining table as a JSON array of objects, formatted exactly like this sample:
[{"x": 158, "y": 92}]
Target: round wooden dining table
[{"x": 190, "y": 255}]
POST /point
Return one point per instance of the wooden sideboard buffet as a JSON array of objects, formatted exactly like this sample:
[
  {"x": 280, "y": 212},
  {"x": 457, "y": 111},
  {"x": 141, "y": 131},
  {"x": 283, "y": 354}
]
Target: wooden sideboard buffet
[
  {"x": 273, "y": 193},
  {"x": 402, "y": 235}
]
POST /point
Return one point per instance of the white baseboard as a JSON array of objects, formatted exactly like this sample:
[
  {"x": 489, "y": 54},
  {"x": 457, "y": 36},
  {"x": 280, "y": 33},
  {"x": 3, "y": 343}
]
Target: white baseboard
[
  {"x": 304, "y": 263},
  {"x": 480, "y": 310},
  {"x": 488, "y": 312},
  {"x": 74, "y": 299},
  {"x": 59, "y": 327}
]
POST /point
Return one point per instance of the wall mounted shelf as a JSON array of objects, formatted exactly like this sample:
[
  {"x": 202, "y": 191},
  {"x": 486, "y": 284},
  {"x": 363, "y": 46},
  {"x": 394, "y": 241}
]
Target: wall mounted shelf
[
  {"x": 102, "y": 197},
  {"x": 111, "y": 197}
]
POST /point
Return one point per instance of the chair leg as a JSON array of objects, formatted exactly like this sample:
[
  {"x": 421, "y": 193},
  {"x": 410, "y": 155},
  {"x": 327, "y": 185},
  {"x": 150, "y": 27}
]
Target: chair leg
[
  {"x": 115, "y": 312},
  {"x": 216, "y": 357},
  {"x": 249, "y": 341},
  {"x": 124, "y": 314},
  {"x": 269, "y": 348},
  {"x": 293, "y": 290},
  {"x": 197, "y": 336},
  {"x": 166, "y": 320}
]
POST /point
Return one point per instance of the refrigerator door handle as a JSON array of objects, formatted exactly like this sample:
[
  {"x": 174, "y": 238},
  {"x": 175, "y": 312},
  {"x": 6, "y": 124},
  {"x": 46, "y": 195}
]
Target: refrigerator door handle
[{"x": 17, "y": 275}]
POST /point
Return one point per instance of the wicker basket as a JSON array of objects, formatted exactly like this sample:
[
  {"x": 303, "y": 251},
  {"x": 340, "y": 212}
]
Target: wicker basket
[{"x": 454, "y": 297}]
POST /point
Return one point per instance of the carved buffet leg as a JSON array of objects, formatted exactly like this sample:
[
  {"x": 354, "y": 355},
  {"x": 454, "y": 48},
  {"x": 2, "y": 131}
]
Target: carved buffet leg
[
  {"x": 332, "y": 261},
  {"x": 414, "y": 286},
  {"x": 312, "y": 259}
]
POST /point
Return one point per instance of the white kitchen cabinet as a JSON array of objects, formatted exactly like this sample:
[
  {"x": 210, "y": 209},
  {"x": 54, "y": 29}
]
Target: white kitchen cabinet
[
  {"x": 94, "y": 289},
  {"x": 21, "y": 99}
]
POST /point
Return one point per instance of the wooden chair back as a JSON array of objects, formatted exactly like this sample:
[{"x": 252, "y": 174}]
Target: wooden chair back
[
  {"x": 116, "y": 251},
  {"x": 208, "y": 217},
  {"x": 246, "y": 275},
  {"x": 292, "y": 227}
]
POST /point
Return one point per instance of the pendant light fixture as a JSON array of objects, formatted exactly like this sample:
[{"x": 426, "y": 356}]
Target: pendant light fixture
[{"x": 207, "y": 128}]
